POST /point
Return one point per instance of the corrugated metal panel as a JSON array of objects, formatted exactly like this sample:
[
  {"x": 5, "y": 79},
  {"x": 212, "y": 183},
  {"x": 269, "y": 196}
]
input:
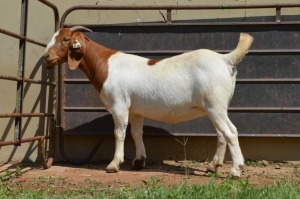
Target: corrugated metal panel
[{"x": 266, "y": 100}]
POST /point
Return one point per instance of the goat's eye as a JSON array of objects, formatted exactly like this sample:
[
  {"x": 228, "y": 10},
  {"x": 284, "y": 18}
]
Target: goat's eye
[{"x": 65, "y": 39}]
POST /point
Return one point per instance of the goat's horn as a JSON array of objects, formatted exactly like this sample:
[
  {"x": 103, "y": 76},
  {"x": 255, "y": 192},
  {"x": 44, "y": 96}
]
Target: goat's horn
[{"x": 74, "y": 28}]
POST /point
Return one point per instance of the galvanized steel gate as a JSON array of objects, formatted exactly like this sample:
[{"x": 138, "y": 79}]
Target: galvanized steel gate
[
  {"x": 18, "y": 114},
  {"x": 267, "y": 97}
]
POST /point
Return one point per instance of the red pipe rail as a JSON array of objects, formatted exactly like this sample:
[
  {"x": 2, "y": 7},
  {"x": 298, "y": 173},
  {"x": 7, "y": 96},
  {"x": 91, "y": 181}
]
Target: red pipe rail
[{"x": 27, "y": 80}]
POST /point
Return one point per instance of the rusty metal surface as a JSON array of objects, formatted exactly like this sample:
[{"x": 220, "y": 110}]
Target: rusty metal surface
[
  {"x": 21, "y": 70},
  {"x": 5, "y": 77},
  {"x": 9, "y": 33},
  {"x": 266, "y": 100},
  {"x": 3, "y": 115},
  {"x": 24, "y": 140},
  {"x": 55, "y": 12}
]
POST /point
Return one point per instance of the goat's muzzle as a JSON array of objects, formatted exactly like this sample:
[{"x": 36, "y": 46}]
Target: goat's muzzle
[{"x": 50, "y": 62}]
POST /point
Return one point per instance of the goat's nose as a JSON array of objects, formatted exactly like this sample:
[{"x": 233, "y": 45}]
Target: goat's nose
[{"x": 46, "y": 55}]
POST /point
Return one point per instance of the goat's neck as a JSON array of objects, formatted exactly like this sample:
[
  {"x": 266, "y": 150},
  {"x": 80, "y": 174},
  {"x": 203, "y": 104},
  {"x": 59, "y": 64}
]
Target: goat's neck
[{"x": 95, "y": 63}]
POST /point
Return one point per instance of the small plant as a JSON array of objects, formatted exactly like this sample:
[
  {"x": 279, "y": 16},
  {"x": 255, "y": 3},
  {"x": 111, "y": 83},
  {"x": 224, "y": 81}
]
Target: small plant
[
  {"x": 152, "y": 184},
  {"x": 213, "y": 175},
  {"x": 152, "y": 189},
  {"x": 7, "y": 176},
  {"x": 8, "y": 172},
  {"x": 254, "y": 163},
  {"x": 183, "y": 143},
  {"x": 19, "y": 172}
]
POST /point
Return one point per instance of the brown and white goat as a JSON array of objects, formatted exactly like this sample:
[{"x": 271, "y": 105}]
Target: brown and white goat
[{"x": 181, "y": 88}]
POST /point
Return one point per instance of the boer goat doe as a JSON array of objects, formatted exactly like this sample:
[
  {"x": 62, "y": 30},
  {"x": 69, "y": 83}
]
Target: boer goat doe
[{"x": 181, "y": 88}]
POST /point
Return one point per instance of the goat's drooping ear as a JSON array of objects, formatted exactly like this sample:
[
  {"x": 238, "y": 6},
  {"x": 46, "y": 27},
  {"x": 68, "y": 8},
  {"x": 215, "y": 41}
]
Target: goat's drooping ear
[{"x": 76, "y": 50}]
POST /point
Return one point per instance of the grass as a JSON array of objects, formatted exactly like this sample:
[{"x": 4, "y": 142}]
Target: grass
[
  {"x": 9, "y": 174},
  {"x": 234, "y": 189}
]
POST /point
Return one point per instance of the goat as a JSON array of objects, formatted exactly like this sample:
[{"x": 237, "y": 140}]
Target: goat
[{"x": 181, "y": 88}]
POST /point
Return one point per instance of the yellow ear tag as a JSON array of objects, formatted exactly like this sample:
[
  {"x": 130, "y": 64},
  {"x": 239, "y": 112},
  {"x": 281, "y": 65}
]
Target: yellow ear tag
[{"x": 76, "y": 44}]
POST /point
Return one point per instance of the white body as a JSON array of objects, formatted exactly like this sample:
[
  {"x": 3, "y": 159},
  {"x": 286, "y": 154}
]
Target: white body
[{"x": 173, "y": 90}]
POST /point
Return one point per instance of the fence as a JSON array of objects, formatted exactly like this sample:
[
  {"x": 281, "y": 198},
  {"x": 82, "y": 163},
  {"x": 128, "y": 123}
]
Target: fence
[{"x": 46, "y": 157}]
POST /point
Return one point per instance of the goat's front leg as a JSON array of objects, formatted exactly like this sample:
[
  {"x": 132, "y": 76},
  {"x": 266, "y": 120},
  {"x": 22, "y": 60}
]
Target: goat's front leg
[
  {"x": 219, "y": 155},
  {"x": 137, "y": 134},
  {"x": 121, "y": 121}
]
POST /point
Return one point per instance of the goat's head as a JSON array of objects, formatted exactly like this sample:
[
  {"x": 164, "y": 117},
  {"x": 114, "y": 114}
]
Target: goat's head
[{"x": 66, "y": 45}]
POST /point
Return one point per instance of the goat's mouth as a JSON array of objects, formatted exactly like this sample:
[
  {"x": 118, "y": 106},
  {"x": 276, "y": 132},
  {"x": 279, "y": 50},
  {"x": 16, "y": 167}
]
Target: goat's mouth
[{"x": 51, "y": 62}]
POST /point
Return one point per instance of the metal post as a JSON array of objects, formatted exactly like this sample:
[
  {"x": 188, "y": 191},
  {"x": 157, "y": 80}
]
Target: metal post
[
  {"x": 169, "y": 16},
  {"x": 21, "y": 68},
  {"x": 278, "y": 14}
]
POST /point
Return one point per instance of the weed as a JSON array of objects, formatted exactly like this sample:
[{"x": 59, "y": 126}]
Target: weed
[
  {"x": 184, "y": 143},
  {"x": 10, "y": 174},
  {"x": 152, "y": 184},
  {"x": 19, "y": 172},
  {"x": 213, "y": 175},
  {"x": 7, "y": 176},
  {"x": 254, "y": 163}
]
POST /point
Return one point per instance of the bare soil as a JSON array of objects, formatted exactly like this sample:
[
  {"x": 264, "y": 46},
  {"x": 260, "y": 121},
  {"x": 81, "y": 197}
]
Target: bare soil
[{"x": 62, "y": 175}]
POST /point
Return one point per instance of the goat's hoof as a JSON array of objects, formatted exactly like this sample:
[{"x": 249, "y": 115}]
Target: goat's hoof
[
  {"x": 112, "y": 168},
  {"x": 138, "y": 164},
  {"x": 213, "y": 168},
  {"x": 236, "y": 172}
]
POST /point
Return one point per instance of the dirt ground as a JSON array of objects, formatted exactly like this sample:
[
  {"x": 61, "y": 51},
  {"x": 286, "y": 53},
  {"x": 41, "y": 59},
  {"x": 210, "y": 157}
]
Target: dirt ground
[{"x": 62, "y": 175}]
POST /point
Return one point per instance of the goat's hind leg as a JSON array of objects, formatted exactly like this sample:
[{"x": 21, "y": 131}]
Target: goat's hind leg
[
  {"x": 136, "y": 122},
  {"x": 219, "y": 155},
  {"x": 121, "y": 122},
  {"x": 229, "y": 131}
]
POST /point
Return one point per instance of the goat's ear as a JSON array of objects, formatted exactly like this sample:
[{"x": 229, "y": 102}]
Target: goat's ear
[{"x": 76, "y": 50}]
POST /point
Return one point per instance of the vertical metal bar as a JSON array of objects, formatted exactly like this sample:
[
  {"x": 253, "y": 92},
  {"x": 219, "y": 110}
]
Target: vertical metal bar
[
  {"x": 169, "y": 16},
  {"x": 54, "y": 121},
  {"x": 278, "y": 14},
  {"x": 21, "y": 68}
]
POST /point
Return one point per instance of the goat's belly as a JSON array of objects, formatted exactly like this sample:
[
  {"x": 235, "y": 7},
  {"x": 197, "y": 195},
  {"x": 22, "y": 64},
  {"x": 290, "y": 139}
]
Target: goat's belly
[{"x": 171, "y": 115}]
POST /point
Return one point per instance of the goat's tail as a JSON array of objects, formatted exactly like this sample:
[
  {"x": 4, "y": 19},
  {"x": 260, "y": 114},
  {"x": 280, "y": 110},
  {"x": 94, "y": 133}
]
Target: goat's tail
[{"x": 241, "y": 50}]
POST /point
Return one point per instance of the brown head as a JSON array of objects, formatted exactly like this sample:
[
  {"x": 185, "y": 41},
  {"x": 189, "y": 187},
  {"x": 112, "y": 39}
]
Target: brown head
[{"x": 66, "y": 45}]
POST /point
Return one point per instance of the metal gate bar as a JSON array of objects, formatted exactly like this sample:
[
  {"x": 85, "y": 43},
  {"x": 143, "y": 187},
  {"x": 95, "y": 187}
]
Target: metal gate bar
[
  {"x": 170, "y": 8},
  {"x": 21, "y": 69},
  {"x": 21, "y": 37},
  {"x": 46, "y": 162},
  {"x": 27, "y": 80}
]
